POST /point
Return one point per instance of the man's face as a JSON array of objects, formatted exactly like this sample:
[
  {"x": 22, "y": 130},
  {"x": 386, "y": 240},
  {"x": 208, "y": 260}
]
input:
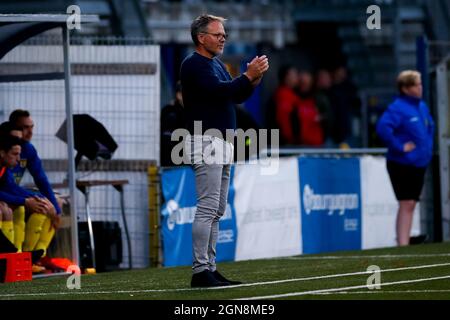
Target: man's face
[
  {"x": 213, "y": 40},
  {"x": 27, "y": 125},
  {"x": 12, "y": 157}
]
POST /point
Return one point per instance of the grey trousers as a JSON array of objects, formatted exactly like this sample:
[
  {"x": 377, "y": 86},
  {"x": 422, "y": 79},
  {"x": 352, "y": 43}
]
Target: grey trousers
[{"x": 212, "y": 180}]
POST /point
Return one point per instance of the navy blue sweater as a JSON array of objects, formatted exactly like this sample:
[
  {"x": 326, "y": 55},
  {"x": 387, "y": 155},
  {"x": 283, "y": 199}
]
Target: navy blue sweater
[{"x": 210, "y": 94}]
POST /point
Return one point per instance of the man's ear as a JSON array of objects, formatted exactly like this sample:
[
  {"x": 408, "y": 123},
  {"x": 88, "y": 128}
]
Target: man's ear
[
  {"x": 200, "y": 39},
  {"x": 2, "y": 154}
]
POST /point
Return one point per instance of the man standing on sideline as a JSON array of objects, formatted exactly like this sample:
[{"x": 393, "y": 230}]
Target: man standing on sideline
[{"x": 210, "y": 95}]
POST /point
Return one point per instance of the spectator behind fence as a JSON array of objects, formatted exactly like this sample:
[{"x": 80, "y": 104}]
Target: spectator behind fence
[
  {"x": 286, "y": 104},
  {"x": 324, "y": 82},
  {"x": 406, "y": 127},
  {"x": 309, "y": 118},
  {"x": 344, "y": 101},
  {"x": 210, "y": 95},
  {"x": 172, "y": 118}
]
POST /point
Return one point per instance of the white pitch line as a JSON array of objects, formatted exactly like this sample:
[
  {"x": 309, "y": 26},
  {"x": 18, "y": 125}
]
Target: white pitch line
[
  {"x": 313, "y": 292},
  {"x": 80, "y": 292},
  {"x": 51, "y": 275},
  {"x": 381, "y": 291},
  {"x": 385, "y": 256},
  {"x": 75, "y": 292},
  {"x": 339, "y": 275}
]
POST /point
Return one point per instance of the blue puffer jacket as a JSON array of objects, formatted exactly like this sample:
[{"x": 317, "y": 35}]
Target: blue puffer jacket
[{"x": 407, "y": 119}]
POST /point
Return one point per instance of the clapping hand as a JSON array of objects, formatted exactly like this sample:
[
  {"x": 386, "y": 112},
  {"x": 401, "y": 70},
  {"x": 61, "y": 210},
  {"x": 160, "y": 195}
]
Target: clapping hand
[{"x": 256, "y": 69}]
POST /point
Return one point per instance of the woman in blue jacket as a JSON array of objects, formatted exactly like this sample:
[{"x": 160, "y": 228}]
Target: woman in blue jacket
[{"x": 407, "y": 129}]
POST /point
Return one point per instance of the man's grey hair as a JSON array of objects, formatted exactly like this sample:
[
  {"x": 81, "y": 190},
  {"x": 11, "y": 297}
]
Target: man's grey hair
[{"x": 200, "y": 24}]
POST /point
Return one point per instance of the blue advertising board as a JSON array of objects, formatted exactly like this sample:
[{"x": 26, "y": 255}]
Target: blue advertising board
[{"x": 330, "y": 196}]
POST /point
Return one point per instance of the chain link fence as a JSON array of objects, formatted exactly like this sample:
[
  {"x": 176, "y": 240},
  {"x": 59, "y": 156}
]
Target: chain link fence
[{"x": 117, "y": 82}]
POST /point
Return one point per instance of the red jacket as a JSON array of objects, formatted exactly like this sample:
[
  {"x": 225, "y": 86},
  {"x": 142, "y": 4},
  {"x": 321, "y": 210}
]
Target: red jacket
[
  {"x": 311, "y": 131},
  {"x": 289, "y": 105},
  {"x": 286, "y": 102}
]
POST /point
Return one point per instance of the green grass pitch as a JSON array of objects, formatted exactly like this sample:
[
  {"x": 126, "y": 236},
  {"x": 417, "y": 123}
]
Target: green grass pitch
[{"x": 414, "y": 272}]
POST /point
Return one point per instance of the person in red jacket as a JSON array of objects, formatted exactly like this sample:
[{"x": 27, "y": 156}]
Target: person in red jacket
[
  {"x": 286, "y": 104},
  {"x": 310, "y": 130}
]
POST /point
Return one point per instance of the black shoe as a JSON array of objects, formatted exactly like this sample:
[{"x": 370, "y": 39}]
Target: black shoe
[
  {"x": 418, "y": 239},
  {"x": 221, "y": 278},
  {"x": 36, "y": 255},
  {"x": 206, "y": 279}
]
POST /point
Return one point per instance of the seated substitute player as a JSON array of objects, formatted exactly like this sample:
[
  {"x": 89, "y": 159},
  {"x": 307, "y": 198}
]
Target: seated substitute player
[
  {"x": 15, "y": 222},
  {"x": 39, "y": 229},
  {"x": 29, "y": 160}
]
